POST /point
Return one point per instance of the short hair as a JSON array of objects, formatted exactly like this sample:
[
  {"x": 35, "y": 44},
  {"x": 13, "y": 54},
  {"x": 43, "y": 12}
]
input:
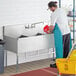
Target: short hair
[{"x": 52, "y": 4}]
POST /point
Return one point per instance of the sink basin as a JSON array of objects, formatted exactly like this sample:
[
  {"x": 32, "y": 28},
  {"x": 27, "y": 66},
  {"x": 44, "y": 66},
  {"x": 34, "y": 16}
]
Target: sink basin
[{"x": 39, "y": 34}]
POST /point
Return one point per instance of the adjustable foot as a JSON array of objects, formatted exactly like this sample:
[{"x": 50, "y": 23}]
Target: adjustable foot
[{"x": 53, "y": 65}]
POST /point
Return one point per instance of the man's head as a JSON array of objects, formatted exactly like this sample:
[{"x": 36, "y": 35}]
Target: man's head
[{"x": 52, "y": 6}]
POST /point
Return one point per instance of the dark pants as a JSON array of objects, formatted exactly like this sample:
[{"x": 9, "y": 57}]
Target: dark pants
[{"x": 66, "y": 45}]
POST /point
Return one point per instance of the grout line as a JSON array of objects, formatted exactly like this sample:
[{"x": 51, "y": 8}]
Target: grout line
[{"x": 49, "y": 71}]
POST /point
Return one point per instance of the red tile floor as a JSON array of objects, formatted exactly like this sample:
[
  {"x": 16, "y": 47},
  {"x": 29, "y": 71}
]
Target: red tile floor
[{"x": 41, "y": 72}]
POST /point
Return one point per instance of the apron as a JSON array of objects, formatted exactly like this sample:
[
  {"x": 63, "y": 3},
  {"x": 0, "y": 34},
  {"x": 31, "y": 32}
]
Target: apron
[{"x": 58, "y": 38}]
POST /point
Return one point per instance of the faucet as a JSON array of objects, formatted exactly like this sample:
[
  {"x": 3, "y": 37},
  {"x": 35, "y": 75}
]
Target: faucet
[
  {"x": 27, "y": 27},
  {"x": 32, "y": 25}
]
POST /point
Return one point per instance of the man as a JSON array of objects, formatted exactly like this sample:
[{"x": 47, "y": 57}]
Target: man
[{"x": 59, "y": 25}]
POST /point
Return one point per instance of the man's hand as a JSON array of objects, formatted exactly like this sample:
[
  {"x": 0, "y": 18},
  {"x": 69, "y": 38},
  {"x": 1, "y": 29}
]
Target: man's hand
[
  {"x": 51, "y": 28},
  {"x": 49, "y": 31}
]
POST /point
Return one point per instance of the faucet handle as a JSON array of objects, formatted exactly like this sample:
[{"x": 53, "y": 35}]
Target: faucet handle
[{"x": 32, "y": 25}]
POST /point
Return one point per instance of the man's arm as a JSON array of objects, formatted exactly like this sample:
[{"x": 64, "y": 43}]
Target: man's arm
[
  {"x": 54, "y": 17},
  {"x": 53, "y": 21}
]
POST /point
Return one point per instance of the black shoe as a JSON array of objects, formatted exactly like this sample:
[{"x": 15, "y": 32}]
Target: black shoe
[{"x": 53, "y": 65}]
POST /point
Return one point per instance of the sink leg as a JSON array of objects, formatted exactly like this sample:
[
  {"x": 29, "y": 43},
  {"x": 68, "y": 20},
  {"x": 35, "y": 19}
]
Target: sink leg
[
  {"x": 6, "y": 57},
  {"x": 53, "y": 54},
  {"x": 17, "y": 62}
]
